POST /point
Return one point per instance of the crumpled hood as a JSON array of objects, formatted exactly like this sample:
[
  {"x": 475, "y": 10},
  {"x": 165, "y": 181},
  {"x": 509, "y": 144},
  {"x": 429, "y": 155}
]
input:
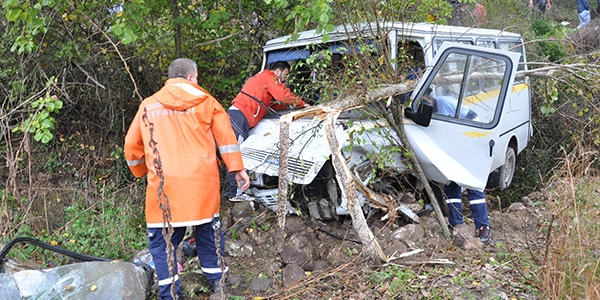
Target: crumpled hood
[{"x": 180, "y": 94}]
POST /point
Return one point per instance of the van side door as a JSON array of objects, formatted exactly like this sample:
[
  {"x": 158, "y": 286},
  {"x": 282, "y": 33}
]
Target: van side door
[{"x": 468, "y": 86}]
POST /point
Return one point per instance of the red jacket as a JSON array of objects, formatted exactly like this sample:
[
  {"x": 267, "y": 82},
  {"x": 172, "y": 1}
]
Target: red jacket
[
  {"x": 187, "y": 125},
  {"x": 266, "y": 87}
]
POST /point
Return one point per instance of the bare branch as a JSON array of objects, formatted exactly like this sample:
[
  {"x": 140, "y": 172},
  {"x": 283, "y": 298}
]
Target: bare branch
[
  {"x": 135, "y": 87},
  {"x": 220, "y": 39},
  {"x": 89, "y": 76}
]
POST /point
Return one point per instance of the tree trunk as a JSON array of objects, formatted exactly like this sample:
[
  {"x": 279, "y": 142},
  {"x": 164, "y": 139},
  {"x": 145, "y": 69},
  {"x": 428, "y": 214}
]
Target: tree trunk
[
  {"x": 177, "y": 26},
  {"x": 344, "y": 176},
  {"x": 284, "y": 146}
]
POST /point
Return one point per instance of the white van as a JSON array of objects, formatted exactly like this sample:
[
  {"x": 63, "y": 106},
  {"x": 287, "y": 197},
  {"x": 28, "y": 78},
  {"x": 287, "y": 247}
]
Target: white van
[{"x": 475, "y": 146}]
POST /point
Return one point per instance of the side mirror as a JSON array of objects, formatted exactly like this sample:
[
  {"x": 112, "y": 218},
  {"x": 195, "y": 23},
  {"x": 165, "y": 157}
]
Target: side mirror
[{"x": 423, "y": 114}]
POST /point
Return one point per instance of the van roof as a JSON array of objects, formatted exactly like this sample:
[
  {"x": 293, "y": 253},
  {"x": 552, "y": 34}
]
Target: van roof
[{"x": 410, "y": 29}]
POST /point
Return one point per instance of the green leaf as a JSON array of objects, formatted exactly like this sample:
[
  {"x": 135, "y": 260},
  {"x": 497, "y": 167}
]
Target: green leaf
[
  {"x": 13, "y": 13},
  {"x": 128, "y": 36},
  {"x": 326, "y": 37},
  {"x": 117, "y": 29},
  {"x": 329, "y": 28},
  {"x": 38, "y": 135},
  {"x": 324, "y": 18},
  {"x": 46, "y": 137},
  {"x": 47, "y": 123}
]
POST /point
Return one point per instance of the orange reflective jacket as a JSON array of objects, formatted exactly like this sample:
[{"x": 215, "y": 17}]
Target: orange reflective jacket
[
  {"x": 179, "y": 128},
  {"x": 265, "y": 86}
]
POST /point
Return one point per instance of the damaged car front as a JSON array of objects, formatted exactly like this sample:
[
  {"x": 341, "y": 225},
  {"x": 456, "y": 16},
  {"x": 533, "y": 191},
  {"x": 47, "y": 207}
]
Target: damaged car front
[{"x": 449, "y": 147}]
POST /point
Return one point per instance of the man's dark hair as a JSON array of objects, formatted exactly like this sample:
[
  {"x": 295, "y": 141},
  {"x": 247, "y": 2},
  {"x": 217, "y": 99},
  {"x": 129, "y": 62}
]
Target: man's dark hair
[
  {"x": 182, "y": 67},
  {"x": 279, "y": 65}
]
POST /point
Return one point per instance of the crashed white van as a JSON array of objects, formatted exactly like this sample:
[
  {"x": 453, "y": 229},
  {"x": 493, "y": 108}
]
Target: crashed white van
[{"x": 472, "y": 69}]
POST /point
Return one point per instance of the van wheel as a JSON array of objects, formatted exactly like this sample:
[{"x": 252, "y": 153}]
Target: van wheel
[{"x": 503, "y": 177}]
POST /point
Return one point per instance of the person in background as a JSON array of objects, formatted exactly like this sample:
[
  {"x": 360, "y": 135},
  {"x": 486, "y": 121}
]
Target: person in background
[
  {"x": 480, "y": 13},
  {"x": 583, "y": 12},
  {"x": 173, "y": 140},
  {"x": 446, "y": 105},
  {"x": 540, "y": 5},
  {"x": 262, "y": 93}
]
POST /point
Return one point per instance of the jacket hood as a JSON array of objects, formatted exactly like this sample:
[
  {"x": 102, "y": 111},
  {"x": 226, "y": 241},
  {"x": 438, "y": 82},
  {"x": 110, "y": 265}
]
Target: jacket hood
[{"x": 180, "y": 94}]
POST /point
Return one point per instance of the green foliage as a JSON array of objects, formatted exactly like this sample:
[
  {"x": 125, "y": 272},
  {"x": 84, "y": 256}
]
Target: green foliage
[
  {"x": 29, "y": 19},
  {"x": 40, "y": 121},
  {"x": 396, "y": 278},
  {"x": 106, "y": 229},
  {"x": 317, "y": 12},
  {"x": 545, "y": 29},
  {"x": 234, "y": 233},
  {"x": 110, "y": 228},
  {"x": 324, "y": 15}
]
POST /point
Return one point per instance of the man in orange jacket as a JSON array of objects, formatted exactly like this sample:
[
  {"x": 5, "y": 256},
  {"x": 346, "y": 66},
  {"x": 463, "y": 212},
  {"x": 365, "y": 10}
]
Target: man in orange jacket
[
  {"x": 262, "y": 92},
  {"x": 173, "y": 140}
]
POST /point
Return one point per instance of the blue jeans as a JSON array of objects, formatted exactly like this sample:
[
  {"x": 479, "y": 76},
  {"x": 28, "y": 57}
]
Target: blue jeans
[
  {"x": 582, "y": 5},
  {"x": 205, "y": 246},
  {"x": 476, "y": 201},
  {"x": 241, "y": 130}
]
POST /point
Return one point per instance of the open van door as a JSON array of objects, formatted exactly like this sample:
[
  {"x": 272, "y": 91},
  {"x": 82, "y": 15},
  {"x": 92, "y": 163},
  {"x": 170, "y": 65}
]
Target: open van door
[{"x": 467, "y": 86}]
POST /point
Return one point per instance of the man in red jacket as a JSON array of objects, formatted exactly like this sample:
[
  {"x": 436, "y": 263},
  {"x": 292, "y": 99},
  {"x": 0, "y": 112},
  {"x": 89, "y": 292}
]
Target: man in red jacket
[
  {"x": 262, "y": 92},
  {"x": 173, "y": 141}
]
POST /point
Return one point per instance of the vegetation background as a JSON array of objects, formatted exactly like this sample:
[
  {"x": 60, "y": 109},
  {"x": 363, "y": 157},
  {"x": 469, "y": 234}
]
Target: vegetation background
[{"x": 72, "y": 74}]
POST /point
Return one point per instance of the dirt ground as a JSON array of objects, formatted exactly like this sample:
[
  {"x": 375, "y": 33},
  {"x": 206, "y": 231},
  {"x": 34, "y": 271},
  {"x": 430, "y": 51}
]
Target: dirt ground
[{"x": 323, "y": 260}]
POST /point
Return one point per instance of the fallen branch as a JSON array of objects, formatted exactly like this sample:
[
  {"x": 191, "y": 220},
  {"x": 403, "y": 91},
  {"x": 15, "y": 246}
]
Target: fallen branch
[
  {"x": 441, "y": 261},
  {"x": 219, "y": 39},
  {"x": 406, "y": 254}
]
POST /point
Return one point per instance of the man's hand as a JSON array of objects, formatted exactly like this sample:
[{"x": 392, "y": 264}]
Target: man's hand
[{"x": 242, "y": 179}]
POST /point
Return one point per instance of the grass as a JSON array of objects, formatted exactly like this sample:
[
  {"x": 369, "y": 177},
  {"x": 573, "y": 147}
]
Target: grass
[
  {"x": 571, "y": 266},
  {"x": 572, "y": 261},
  {"x": 108, "y": 226}
]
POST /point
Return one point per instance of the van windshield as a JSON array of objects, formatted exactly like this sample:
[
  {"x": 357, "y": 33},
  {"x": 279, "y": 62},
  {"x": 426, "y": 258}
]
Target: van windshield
[{"x": 329, "y": 71}]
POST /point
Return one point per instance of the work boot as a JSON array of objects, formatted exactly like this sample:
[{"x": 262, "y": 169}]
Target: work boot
[
  {"x": 584, "y": 18},
  {"x": 216, "y": 286},
  {"x": 242, "y": 197},
  {"x": 485, "y": 233}
]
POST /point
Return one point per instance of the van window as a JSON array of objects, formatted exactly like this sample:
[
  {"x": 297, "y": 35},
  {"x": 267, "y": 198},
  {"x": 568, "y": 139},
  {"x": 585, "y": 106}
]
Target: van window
[
  {"x": 467, "y": 88},
  {"x": 287, "y": 54},
  {"x": 438, "y": 43},
  {"x": 514, "y": 47},
  {"x": 486, "y": 42},
  {"x": 317, "y": 69},
  {"x": 410, "y": 59}
]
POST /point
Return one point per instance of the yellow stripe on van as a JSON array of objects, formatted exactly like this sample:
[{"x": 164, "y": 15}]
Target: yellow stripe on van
[
  {"x": 493, "y": 94},
  {"x": 520, "y": 87},
  {"x": 476, "y": 134}
]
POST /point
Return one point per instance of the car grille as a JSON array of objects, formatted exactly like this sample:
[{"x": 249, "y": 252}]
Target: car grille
[{"x": 268, "y": 163}]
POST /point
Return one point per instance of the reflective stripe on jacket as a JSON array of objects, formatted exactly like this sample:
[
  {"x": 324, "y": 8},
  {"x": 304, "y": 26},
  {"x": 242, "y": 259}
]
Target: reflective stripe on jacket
[{"x": 188, "y": 125}]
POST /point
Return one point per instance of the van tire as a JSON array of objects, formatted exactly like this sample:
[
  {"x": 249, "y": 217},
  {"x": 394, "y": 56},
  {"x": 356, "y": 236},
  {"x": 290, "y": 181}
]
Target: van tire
[{"x": 503, "y": 176}]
